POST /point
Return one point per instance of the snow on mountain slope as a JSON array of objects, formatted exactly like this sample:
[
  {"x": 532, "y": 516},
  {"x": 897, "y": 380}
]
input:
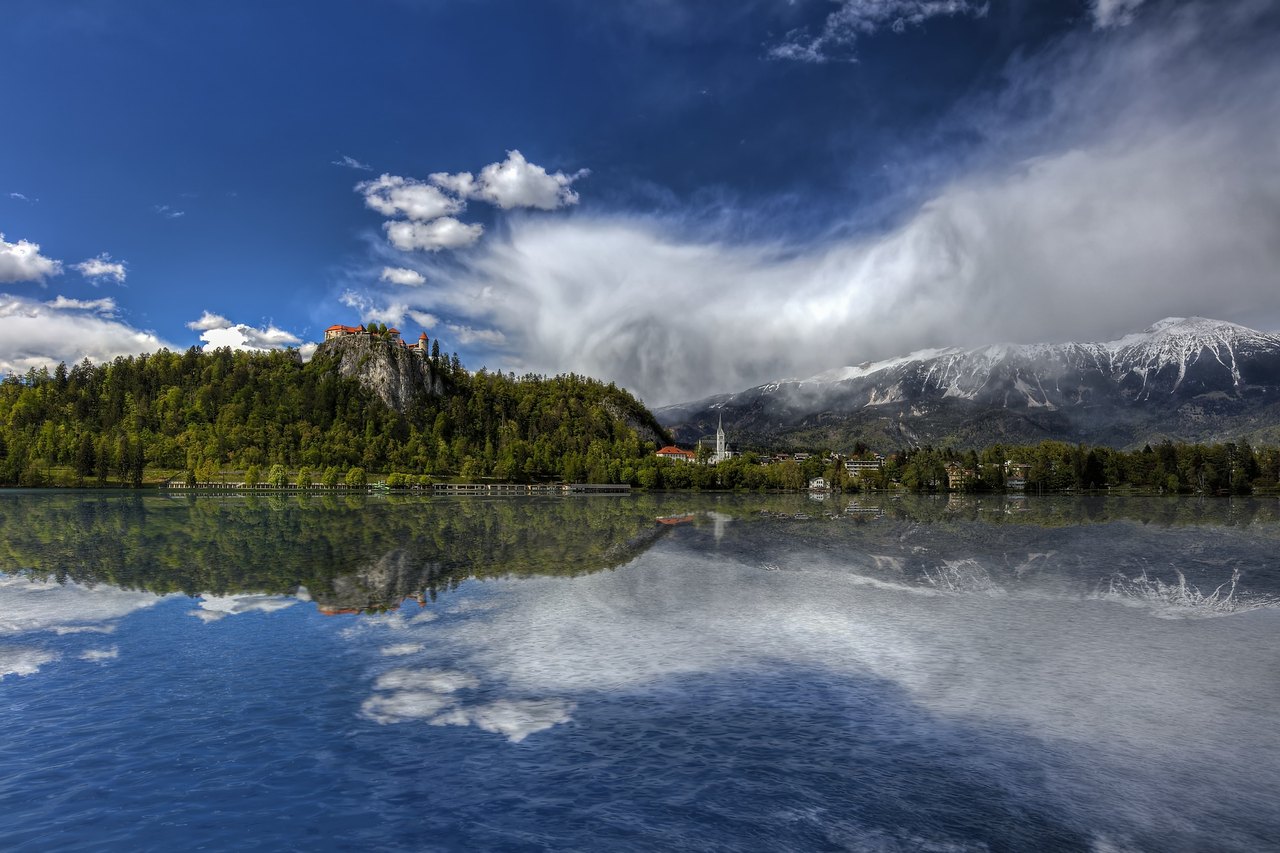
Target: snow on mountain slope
[
  {"x": 1150, "y": 373},
  {"x": 1172, "y": 342}
]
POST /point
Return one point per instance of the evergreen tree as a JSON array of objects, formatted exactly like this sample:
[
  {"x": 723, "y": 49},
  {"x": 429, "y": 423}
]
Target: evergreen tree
[{"x": 86, "y": 456}]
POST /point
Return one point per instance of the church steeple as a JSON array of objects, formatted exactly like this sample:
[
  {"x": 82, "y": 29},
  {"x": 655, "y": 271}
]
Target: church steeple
[{"x": 720, "y": 448}]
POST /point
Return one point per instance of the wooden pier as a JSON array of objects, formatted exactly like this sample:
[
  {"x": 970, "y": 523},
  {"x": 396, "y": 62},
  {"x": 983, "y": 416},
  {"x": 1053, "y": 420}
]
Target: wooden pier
[{"x": 436, "y": 488}]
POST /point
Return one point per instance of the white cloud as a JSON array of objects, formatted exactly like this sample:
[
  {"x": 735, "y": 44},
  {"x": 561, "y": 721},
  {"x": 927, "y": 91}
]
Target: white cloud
[
  {"x": 244, "y": 337},
  {"x": 28, "y": 606},
  {"x": 443, "y": 233},
  {"x": 678, "y": 616},
  {"x": 515, "y": 719},
  {"x": 855, "y": 18},
  {"x": 428, "y": 206},
  {"x": 430, "y": 695},
  {"x": 352, "y": 163},
  {"x": 400, "y": 275},
  {"x": 1149, "y": 188},
  {"x": 392, "y": 313},
  {"x": 216, "y": 607},
  {"x": 514, "y": 182},
  {"x": 23, "y": 660},
  {"x": 102, "y": 267},
  {"x": 105, "y": 306},
  {"x": 217, "y": 331},
  {"x": 462, "y": 184},
  {"x": 40, "y": 334},
  {"x": 1114, "y": 13},
  {"x": 22, "y": 261},
  {"x": 434, "y": 680},
  {"x": 402, "y": 649},
  {"x": 404, "y": 706},
  {"x": 33, "y": 607},
  {"x": 207, "y": 321},
  {"x": 392, "y": 195},
  {"x": 467, "y": 336},
  {"x": 168, "y": 212},
  {"x": 21, "y": 197},
  {"x": 424, "y": 319}
]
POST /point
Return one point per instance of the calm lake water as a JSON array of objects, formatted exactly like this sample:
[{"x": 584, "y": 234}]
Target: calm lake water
[{"x": 647, "y": 672}]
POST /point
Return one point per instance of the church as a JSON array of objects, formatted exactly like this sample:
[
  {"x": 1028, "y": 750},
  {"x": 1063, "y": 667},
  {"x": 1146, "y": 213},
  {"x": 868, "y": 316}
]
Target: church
[{"x": 722, "y": 452}]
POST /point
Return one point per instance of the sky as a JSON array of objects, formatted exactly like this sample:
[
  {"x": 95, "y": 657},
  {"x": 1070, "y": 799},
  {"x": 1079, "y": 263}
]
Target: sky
[{"x": 685, "y": 197}]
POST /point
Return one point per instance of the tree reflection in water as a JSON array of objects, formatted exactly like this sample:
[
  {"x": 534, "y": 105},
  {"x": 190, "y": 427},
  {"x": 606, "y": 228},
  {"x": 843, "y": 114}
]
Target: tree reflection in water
[{"x": 361, "y": 553}]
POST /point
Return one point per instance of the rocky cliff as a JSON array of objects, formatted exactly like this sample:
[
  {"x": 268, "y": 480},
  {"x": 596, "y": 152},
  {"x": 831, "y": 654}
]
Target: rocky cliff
[{"x": 397, "y": 375}]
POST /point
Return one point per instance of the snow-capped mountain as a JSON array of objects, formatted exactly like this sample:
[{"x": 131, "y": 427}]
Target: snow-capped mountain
[{"x": 1190, "y": 378}]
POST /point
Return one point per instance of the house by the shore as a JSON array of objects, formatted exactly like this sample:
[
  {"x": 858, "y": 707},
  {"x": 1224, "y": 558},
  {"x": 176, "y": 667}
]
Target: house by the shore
[{"x": 677, "y": 454}]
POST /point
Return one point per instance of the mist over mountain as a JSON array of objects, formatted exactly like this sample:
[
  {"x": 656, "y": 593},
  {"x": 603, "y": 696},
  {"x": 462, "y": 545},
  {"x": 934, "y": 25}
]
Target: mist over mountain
[{"x": 1191, "y": 379}]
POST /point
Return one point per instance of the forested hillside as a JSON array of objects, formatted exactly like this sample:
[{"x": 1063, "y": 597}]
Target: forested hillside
[{"x": 209, "y": 412}]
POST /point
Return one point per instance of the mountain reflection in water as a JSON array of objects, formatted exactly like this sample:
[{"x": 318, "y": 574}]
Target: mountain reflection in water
[
  {"x": 643, "y": 672},
  {"x": 357, "y": 553}
]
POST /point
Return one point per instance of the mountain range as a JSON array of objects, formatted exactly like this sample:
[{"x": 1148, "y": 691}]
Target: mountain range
[{"x": 1184, "y": 378}]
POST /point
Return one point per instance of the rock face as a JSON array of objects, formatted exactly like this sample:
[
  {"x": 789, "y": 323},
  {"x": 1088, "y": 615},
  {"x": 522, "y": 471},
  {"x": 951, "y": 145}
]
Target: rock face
[
  {"x": 643, "y": 428},
  {"x": 397, "y": 375},
  {"x": 1182, "y": 378}
]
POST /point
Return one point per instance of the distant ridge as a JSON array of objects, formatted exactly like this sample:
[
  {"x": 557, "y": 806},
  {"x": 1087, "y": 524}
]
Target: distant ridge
[{"x": 1186, "y": 378}]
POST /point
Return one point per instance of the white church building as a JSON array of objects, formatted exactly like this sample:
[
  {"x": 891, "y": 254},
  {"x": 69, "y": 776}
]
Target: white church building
[{"x": 722, "y": 452}]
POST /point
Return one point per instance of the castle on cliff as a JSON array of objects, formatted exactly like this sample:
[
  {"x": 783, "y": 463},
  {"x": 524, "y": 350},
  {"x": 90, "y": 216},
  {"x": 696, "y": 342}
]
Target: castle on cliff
[{"x": 336, "y": 331}]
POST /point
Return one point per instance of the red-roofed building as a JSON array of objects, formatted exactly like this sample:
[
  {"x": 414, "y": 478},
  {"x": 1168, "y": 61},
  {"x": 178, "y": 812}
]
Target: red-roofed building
[
  {"x": 673, "y": 452},
  {"x": 339, "y": 331}
]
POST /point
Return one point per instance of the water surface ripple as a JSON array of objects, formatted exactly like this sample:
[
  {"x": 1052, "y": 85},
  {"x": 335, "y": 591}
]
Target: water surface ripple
[{"x": 642, "y": 673}]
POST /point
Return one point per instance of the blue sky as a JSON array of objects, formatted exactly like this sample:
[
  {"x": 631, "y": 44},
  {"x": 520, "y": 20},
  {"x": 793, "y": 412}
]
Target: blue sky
[{"x": 703, "y": 194}]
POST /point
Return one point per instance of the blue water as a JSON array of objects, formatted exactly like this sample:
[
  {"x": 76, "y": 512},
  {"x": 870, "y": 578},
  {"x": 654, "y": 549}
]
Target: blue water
[{"x": 741, "y": 682}]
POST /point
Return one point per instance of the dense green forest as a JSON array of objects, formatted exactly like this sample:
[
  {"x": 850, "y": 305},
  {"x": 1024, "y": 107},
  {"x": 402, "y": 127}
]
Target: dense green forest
[
  {"x": 208, "y": 416},
  {"x": 1052, "y": 466},
  {"x": 198, "y": 414}
]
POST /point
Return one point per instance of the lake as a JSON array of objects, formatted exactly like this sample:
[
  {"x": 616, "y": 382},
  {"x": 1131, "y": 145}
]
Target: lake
[{"x": 645, "y": 672}]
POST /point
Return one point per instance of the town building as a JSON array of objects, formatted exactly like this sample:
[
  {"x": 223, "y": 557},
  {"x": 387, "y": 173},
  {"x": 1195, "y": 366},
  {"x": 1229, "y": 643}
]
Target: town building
[
  {"x": 858, "y": 467},
  {"x": 722, "y": 453},
  {"x": 959, "y": 477},
  {"x": 339, "y": 331},
  {"x": 675, "y": 453},
  {"x": 1015, "y": 475}
]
